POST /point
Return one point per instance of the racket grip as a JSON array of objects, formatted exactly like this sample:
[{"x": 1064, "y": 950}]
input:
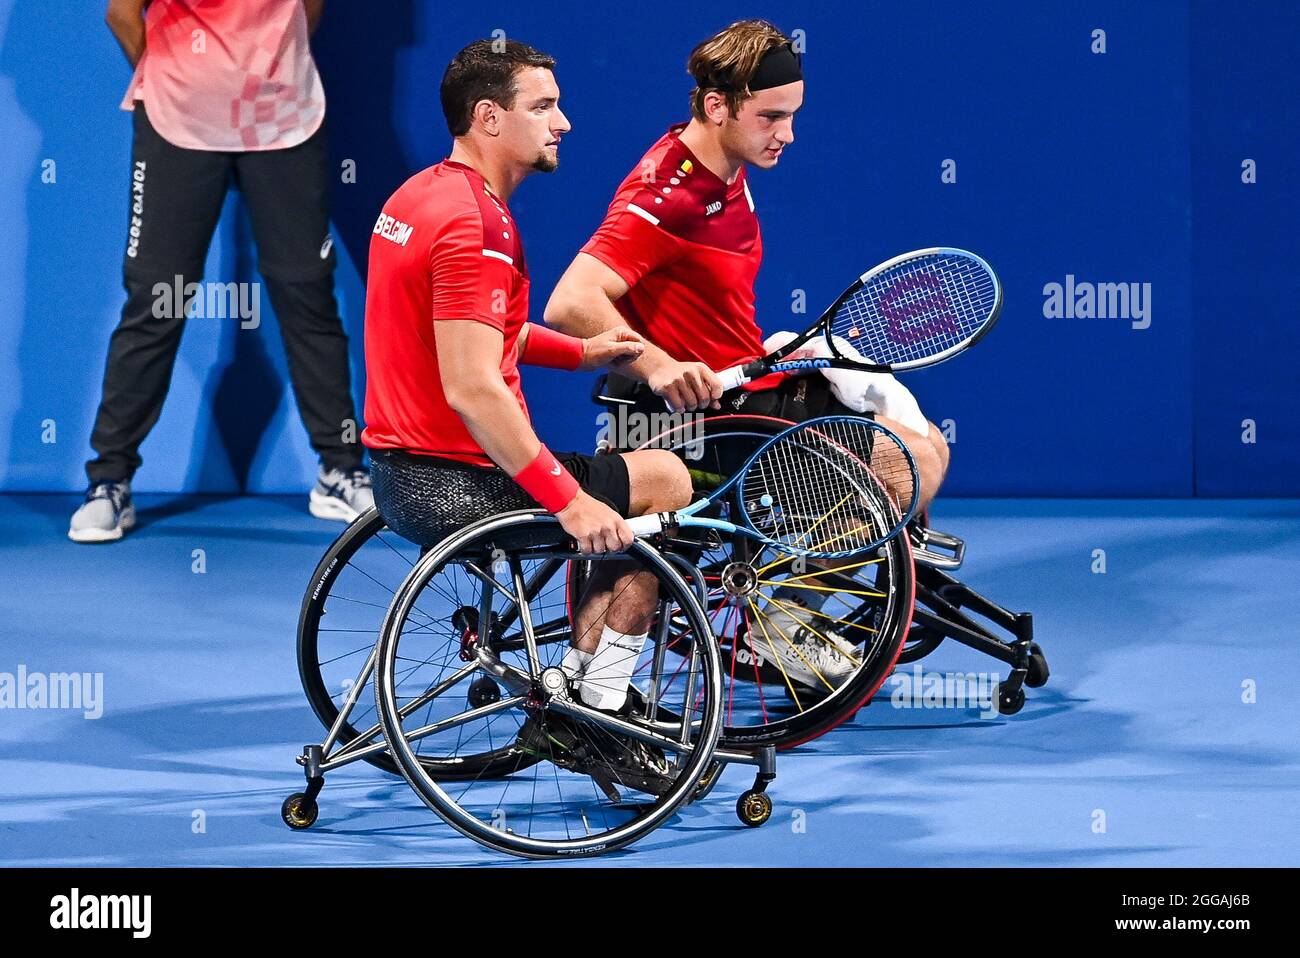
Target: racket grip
[
  {"x": 649, "y": 525},
  {"x": 734, "y": 377}
]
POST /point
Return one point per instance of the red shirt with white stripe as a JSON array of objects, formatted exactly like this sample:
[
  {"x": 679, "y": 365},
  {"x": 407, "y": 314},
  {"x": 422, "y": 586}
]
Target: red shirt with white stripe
[
  {"x": 226, "y": 75},
  {"x": 688, "y": 246},
  {"x": 444, "y": 247}
]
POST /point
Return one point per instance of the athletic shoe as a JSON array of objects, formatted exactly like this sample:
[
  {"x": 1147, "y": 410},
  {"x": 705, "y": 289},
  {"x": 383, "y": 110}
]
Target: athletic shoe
[
  {"x": 553, "y": 739},
  {"x": 341, "y": 494},
  {"x": 608, "y": 758},
  {"x": 816, "y": 659},
  {"x": 106, "y": 515}
]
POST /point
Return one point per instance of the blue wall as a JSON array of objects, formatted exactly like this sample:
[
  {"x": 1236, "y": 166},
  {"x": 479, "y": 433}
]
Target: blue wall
[{"x": 1115, "y": 167}]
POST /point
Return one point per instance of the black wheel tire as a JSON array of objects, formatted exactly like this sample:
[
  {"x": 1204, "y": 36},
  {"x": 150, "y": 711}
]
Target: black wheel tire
[
  {"x": 754, "y": 808},
  {"x": 496, "y": 764},
  {"x": 1038, "y": 673},
  {"x": 1010, "y": 701},
  {"x": 920, "y": 642},
  {"x": 299, "y": 811},
  {"x": 826, "y": 714}
]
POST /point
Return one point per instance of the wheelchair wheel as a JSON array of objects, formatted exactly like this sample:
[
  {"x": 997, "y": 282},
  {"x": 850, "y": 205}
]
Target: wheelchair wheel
[
  {"x": 774, "y": 693},
  {"x": 444, "y": 632},
  {"x": 338, "y": 628}
]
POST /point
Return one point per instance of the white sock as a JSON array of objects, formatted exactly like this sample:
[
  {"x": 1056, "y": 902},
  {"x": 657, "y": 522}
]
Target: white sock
[
  {"x": 604, "y": 684},
  {"x": 575, "y": 663}
]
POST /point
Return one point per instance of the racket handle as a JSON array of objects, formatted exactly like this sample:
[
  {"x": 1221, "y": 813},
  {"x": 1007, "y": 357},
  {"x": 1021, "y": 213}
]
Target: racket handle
[
  {"x": 736, "y": 376},
  {"x": 648, "y": 525}
]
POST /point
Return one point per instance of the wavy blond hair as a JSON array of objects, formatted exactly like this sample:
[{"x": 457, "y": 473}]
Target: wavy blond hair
[{"x": 728, "y": 60}]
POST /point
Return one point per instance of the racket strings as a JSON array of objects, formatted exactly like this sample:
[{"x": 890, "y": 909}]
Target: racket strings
[
  {"x": 832, "y": 487},
  {"x": 917, "y": 309}
]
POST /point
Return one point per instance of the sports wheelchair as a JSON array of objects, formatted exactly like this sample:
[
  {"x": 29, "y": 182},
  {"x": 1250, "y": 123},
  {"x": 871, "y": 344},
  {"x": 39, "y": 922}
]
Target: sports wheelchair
[
  {"x": 857, "y": 598},
  {"x": 470, "y": 637}
]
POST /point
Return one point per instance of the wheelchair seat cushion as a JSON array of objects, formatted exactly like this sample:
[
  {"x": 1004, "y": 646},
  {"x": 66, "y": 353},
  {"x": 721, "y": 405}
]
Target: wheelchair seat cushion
[{"x": 426, "y": 498}]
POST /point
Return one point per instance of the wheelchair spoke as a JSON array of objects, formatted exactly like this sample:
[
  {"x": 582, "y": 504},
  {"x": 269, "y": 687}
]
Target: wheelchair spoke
[
  {"x": 472, "y": 715},
  {"x": 808, "y": 625},
  {"x": 758, "y": 680},
  {"x": 525, "y": 618},
  {"x": 488, "y": 580},
  {"x": 435, "y": 691},
  {"x": 758, "y": 615}
]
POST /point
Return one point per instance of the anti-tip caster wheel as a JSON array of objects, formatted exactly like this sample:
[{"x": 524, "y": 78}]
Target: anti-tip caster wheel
[
  {"x": 1037, "y": 670},
  {"x": 299, "y": 811},
  {"x": 483, "y": 691},
  {"x": 1010, "y": 701},
  {"x": 754, "y": 808}
]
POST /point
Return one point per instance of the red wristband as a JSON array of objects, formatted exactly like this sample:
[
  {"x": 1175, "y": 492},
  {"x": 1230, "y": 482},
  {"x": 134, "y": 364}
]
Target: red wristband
[
  {"x": 548, "y": 482},
  {"x": 551, "y": 348}
]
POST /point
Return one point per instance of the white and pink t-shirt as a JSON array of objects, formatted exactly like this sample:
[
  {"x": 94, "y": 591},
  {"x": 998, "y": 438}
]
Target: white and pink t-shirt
[{"x": 228, "y": 74}]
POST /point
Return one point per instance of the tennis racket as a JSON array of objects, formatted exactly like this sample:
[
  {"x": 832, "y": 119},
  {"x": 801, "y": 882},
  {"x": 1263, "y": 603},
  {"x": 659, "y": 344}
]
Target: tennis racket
[
  {"x": 826, "y": 488},
  {"x": 912, "y": 311}
]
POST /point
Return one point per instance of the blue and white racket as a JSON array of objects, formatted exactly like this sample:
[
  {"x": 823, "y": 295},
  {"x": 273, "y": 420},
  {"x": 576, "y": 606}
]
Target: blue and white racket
[
  {"x": 825, "y": 488},
  {"x": 912, "y": 311}
]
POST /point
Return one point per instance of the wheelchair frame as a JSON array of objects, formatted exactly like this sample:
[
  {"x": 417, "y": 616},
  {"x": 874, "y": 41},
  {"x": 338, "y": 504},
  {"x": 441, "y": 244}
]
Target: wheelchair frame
[
  {"x": 943, "y": 608},
  {"x": 300, "y": 810}
]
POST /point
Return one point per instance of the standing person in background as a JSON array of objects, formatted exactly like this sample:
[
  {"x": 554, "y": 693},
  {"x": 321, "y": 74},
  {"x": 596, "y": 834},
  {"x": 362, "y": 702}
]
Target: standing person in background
[{"x": 223, "y": 91}]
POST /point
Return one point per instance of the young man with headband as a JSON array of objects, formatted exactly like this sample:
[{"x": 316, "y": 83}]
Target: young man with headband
[
  {"x": 676, "y": 258},
  {"x": 446, "y": 329}
]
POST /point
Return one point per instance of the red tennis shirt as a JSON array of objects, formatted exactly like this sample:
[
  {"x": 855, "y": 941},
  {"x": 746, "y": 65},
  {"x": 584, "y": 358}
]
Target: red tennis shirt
[
  {"x": 688, "y": 246},
  {"x": 443, "y": 248}
]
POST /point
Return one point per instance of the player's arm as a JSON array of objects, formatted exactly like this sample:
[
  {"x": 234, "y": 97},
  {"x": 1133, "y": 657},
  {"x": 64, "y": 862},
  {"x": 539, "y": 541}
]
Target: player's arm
[
  {"x": 582, "y": 304},
  {"x": 126, "y": 19},
  {"x": 542, "y": 346},
  {"x": 469, "y": 364}
]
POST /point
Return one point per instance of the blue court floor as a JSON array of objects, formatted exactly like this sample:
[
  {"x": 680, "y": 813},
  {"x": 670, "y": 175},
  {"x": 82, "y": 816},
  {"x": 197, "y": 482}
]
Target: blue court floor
[{"x": 1168, "y": 734}]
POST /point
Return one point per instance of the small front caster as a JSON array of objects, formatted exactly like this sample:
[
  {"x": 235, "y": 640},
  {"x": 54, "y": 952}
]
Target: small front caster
[
  {"x": 1010, "y": 700},
  {"x": 754, "y": 808},
  {"x": 299, "y": 811}
]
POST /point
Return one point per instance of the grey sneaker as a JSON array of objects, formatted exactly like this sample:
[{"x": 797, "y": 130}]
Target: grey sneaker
[
  {"x": 341, "y": 494},
  {"x": 106, "y": 515},
  {"x": 812, "y": 656}
]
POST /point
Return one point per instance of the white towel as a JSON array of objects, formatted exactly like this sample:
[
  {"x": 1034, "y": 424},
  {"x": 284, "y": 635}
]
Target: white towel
[{"x": 861, "y": 391}]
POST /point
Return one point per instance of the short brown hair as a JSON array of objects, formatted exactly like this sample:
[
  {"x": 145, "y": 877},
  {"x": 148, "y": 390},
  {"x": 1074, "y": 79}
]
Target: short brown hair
[
  {"x": 485, "y": 70},
  {"x": 728, "y": 60}
]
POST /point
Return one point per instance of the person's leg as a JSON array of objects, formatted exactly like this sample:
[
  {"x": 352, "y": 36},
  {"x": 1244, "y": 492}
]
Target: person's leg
[
  {"x": 176, "y": 198},
  {"x": 287, "y": 194},
  {"x": 940, "y": 446},
  {"x": 616, "y": 611},
  {"x": 929, "y": 452}
]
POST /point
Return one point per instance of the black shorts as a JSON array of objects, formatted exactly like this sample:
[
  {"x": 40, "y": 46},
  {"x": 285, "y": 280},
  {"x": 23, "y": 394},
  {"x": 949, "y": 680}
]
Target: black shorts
[{"x": 427, "y": 498}]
